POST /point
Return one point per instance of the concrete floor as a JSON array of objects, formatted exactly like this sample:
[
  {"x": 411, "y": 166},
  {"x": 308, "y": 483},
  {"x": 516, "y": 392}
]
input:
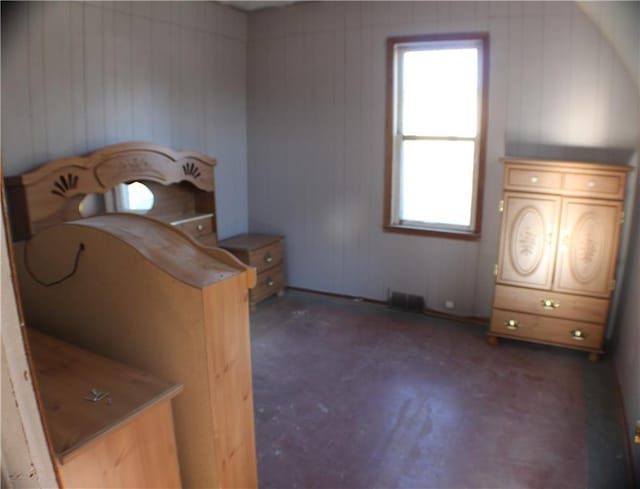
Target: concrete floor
[{"x": 354, "y": 395}]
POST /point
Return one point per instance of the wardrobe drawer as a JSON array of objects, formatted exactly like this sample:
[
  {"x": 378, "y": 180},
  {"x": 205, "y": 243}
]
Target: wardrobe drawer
[
  {"x": 576, "y": 334},
  {"x": 598, "y": 185},
  {"x": 532, "y": 179},
  {"x": 552, "y": 304},
  {"x": 266, "y": 257}
]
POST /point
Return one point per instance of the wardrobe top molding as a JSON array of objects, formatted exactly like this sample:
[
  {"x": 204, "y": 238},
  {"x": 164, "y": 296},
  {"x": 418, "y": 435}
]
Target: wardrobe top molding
[
  {"x": 568, "y": 164},
  {"x": 568, "y": 178}
]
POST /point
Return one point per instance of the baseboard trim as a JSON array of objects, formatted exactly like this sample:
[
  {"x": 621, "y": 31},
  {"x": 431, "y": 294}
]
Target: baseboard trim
[
  {"x": 476, "y": 321},
  {"x": 337, "y": 296},
  {"x": 629, "y": 445}
]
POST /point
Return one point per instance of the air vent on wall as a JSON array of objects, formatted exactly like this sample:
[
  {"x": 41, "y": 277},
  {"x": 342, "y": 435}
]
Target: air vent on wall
[{"x": 406, "y": 302}]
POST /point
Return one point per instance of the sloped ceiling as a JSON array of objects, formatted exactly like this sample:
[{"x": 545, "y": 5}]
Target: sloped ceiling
[{"x": 620, "y": 24}]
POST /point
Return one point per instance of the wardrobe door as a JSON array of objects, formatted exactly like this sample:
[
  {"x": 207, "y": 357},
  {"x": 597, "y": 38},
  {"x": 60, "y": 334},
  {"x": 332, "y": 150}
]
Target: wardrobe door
[
  {"x": 528, "y": 239},
  {"x": 589, "y": 233}
]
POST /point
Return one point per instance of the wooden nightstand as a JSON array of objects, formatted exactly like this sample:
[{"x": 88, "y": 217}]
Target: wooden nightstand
[{"x": 266, "y": 253}]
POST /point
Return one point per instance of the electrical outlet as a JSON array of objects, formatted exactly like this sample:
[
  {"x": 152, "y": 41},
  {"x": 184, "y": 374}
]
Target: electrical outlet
[{"x": 449, "y": 304}]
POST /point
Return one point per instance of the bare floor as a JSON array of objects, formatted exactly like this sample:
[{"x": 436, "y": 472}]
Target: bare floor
[{"x": 354, "y": 395}]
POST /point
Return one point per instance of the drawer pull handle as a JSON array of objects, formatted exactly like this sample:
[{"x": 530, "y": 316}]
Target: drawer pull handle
[
  {"x": 534, "y": 179},
  {"x": 199, "y": 227},
  {"x": 270, "y": 282},
  {"x": 549, "y": 304},
  {"x": 591, "y": 183},
  {"x": 511, "y": 324},
  {"x": 578, "y": 335},
  {"x": 268, "y": 258}
]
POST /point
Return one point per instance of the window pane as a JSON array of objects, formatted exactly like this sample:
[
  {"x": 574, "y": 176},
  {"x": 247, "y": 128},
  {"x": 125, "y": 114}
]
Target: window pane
[
  {"x": 439, "y": 92},
  {"x": 436, "y": 181}
]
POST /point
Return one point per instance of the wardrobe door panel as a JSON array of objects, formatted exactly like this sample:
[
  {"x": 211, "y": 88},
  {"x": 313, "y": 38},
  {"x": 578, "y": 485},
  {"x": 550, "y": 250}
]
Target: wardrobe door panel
[
  {"x": 588, "y": 246},
  {"x": 528, "y": 242}
]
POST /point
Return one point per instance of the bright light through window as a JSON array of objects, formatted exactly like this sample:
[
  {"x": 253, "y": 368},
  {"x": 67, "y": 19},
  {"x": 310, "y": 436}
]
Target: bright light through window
[
  {"x": 429, "y": 199},
  {"x": 435, "y": 132},
  {"x": 440, "y": 93}
]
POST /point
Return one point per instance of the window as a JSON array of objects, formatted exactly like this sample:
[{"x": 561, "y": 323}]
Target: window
[{"x": 436, "y": 133}]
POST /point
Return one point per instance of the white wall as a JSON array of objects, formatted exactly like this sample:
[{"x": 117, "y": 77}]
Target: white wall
[
  {"x": 316, "y": 133},
  {"x": 627, "y": 338},
  {"x": 620, "y": 22},
  {"x": 79, "y": 76}
]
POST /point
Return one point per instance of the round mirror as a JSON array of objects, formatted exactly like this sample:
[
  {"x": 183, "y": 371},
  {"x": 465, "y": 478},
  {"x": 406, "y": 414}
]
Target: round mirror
[
  {"x": 135, "y": 197},
  {"x": 92, "y": 205}
]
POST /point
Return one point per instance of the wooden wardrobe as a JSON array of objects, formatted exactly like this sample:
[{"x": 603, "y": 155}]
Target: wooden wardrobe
[{"x": 558, "y": 252}]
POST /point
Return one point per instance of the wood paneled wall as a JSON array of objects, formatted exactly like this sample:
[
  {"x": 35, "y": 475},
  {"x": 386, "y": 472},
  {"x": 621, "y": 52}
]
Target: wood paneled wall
[
  {"x": 79, "y": 76},
  {"x": 316, "y": 133}
]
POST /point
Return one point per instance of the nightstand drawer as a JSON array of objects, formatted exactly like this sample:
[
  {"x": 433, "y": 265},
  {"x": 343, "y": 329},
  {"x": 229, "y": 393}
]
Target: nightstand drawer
[
  {"x": 265, "y": 252},
  {"x": 576, "y": 334},
  {"x": 552, "y": 304},
  {"x": 266, "y": 257},
  {"x": 269, "y": 282}
]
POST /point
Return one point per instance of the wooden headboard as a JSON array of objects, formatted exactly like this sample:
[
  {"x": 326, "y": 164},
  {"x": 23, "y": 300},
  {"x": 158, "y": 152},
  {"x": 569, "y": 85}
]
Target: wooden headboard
[
  {"x": 162, "y": 304},
  {"x": 182, "y": 183}
]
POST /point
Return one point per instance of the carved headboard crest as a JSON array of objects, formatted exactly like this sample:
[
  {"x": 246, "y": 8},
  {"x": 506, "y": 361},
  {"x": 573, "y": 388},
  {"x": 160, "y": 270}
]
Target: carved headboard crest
[{"x": 40, "y": 198}]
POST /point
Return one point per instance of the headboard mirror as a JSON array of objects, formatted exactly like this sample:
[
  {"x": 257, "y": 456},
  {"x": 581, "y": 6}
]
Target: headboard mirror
[
  {"x": 143, "y": 178},
  {"x": 135, "y": 197}
]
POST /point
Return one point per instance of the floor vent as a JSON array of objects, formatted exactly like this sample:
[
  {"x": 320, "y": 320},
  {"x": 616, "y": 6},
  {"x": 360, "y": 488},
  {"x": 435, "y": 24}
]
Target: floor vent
[{"x": 406, "y": 302}]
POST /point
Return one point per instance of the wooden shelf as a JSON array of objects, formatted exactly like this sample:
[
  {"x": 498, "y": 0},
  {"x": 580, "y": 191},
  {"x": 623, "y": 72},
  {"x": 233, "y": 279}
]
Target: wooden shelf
[
  {"x": 102, "y": 438},
  {"x": 177, "y": 220}
]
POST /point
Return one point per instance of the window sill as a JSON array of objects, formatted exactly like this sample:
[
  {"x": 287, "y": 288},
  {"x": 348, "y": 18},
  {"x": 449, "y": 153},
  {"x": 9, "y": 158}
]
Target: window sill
[{"x": 435, "y": 232}]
